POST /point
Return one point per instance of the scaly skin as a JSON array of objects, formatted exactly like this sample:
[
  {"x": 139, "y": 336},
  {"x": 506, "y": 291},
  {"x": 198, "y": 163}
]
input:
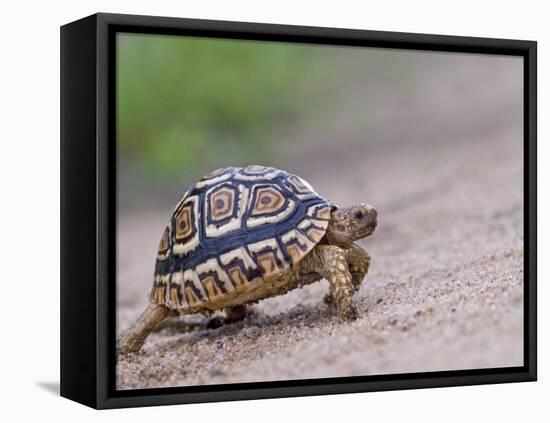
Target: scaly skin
[
  {"x": 133, "y": 338},
  {"x": 232, "y": 315},
  {"x": 358, "y": 261},
  {"x": 344, "y": 269}
]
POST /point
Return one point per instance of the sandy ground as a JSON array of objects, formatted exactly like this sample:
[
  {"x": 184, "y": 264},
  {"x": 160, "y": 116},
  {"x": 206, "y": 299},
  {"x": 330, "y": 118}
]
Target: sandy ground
[{"x": 445, "y": 290}]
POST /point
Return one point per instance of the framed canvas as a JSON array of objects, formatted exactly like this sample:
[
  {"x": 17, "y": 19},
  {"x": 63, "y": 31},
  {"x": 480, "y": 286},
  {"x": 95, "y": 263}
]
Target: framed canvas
[{"x": 257, "y": 211}]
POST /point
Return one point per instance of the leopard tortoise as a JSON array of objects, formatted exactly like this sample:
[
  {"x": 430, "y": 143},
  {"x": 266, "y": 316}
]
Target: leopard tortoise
[{"x": 243, "y": 234}]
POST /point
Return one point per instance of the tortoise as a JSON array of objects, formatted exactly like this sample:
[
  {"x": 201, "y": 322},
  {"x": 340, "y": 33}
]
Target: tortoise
[{"x": 240, "y": 235}]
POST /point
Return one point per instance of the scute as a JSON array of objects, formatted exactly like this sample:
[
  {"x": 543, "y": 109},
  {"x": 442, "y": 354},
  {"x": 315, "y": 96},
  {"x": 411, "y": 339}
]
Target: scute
[{"x": 233, "y": 230}]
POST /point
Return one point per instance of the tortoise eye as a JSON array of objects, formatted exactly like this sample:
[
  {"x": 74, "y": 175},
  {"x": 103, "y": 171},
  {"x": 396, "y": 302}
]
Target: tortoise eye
[{"x": 358, "y": 214}]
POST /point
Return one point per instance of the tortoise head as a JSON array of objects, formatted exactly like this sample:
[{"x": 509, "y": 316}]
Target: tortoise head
[{"x": 348, "y": 224}]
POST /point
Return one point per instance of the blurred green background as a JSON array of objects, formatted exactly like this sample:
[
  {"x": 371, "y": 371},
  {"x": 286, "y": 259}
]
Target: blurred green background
[
  {"x": 188, "y": 105},
  {"x": 186, "y": 102}
]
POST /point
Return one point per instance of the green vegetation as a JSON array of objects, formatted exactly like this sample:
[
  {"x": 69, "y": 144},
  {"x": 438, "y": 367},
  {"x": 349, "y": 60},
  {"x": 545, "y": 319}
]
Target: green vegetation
[{"x": 185, "y": 102}]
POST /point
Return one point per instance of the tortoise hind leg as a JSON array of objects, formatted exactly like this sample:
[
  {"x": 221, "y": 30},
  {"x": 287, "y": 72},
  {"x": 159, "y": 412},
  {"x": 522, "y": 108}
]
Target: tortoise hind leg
[
  {"x": 232, "y": 315},
  {"x": 177, "y": 323},
  {"x": 132, "y": 339},
  {"x": 236, "y": 313}
]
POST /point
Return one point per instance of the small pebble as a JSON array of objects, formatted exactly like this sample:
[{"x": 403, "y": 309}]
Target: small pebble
[{"x": 214, "y": 370}]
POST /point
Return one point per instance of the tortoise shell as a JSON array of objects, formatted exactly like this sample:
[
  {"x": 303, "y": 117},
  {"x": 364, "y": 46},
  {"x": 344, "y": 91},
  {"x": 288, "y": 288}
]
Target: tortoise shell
[{"x": 235, "y": 229}]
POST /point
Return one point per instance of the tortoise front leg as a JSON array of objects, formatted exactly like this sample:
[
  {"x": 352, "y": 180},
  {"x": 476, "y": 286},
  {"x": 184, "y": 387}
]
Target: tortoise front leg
[
  {"x": 132, "y": 339},
  {"x": 331, "y": 262},
  {"x": 358, "y": 263}
]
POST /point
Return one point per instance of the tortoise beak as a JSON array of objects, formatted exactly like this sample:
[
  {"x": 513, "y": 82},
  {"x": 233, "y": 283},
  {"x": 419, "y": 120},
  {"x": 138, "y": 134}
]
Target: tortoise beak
[
  {"x": 372, "y": 218},
  {"x": 372, "y": 215}
]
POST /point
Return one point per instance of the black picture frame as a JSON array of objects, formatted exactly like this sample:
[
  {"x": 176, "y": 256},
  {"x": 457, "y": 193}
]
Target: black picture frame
[{"x": 88, "y": 209}]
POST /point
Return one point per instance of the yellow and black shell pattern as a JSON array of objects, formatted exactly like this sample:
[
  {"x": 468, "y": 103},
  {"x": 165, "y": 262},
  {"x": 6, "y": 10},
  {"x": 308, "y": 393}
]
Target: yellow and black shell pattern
[{"x": 235, "y": 229}]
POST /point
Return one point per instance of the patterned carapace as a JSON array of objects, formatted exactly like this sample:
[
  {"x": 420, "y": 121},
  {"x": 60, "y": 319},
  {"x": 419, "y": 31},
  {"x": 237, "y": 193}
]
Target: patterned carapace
[{"x": 235, "y": 229}]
